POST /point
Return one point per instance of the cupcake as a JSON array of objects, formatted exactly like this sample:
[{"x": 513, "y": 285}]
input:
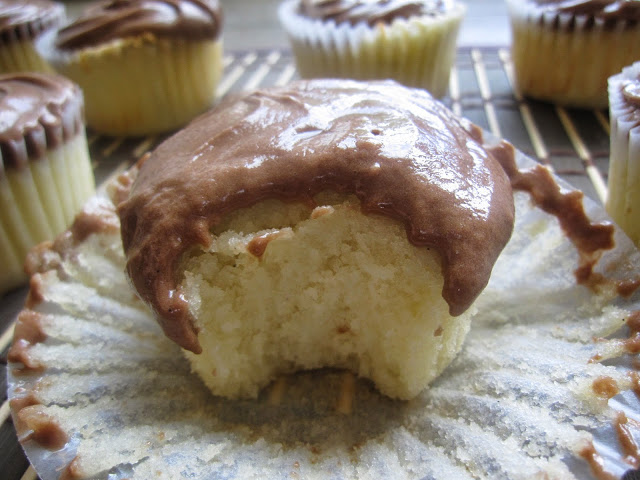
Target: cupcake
[
  {"x": 145, "y": 66},
  {"x": 21, "y": 24},
  {"x": 287, "y": 231},
  {"x": 410, "y": 41},
  {"x": 623, "y": 201},
  {"x": 564, "y": 51},
  {"x": 541, "y": 388},
  {"x": 94, "y": 386},
  {"x": 46, "y": 173}
]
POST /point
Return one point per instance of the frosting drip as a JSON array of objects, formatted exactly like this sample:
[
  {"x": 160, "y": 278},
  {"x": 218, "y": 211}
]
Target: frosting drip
[
  {"x": 37, "y": 112},
  {"x": 116, "y": 19},
  {"x": 371, "y": 11},
  {"x": 402, "y": 153},
  {"x": 27, "y": 19}
]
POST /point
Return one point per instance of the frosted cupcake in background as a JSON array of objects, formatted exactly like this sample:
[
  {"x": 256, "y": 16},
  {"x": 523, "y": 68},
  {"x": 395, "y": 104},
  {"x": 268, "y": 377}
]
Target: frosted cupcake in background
[
  {"x": 145, "y": 66},
  {"x": 412, "y": 42},
  {"x": 46, "y": 173},
  {"x": 565, "y": 50},
  {"x": 21, "y": 23},
  {"x": 623, "y": 202}
]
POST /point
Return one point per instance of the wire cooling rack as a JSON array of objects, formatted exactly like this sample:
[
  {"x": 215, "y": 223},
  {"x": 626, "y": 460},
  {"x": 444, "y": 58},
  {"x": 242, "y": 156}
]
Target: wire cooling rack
[{"x": 574, "y": 143}]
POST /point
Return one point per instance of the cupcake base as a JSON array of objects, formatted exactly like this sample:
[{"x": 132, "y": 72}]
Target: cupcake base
[
  {"x": 39, "y": 202},
  {"x": 418, "y": 52},
  {"x": 333, "y": 288},
  {"x": 164, "y": 85},
  {"x": 567, "y": 63}
]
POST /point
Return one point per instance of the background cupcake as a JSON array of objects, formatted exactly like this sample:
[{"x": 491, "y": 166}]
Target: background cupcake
[
  {"x": 623, "y": 202},
  {"x": 145, "y": 66},
  {"x": 564, "y": 50},
  {"x": 412, "y": 42},
  {"x": 21, "y": 23},
  {"x": 46, "y": 173}
]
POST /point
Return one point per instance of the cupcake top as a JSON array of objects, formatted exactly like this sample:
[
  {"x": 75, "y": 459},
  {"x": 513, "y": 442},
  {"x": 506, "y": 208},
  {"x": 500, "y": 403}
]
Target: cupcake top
[
  {"x": 371, "y": 11},
  {"x": 106, "y": 21},
  {"x": 26, "y": 19},
  {"x": 402, "y": 153},
  {"x": 37, "y": 112},
  {"x": 608, "y": 12}
]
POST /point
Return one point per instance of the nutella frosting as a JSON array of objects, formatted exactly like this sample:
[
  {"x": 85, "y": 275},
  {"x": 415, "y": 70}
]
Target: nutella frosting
[
  {"x": 607, "y": 12},
  {"x": 26, "y": 19},
  {"x": 38, "y": 112},
  {"x": 371, "y": 11},
  {"x": 403, "y": 154},
  {"x": 106, "y": 21}
]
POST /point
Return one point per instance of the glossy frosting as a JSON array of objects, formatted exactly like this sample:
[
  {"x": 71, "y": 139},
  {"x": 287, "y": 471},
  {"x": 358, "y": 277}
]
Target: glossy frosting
[
  {"x": 400, "y": 152},
  {"x": 106, "y": 21},
  {"x": 26, "y": 19},
  {"x": 371, "y": 11},
  {"x": 607, "y": 11},
  {"x": 37, "y": 112}
]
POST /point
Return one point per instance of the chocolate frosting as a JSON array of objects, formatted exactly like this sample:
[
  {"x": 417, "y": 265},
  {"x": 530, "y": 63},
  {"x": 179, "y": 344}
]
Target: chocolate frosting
[
  {"x": 37, "y": 112},
  {"x": 371, "y": 11},
  {"x": 403, "y": 154},
  {"x": 609, "y": 12},
  {"x": 26, "y": 19},
  {"x": 106, "y": 21}
]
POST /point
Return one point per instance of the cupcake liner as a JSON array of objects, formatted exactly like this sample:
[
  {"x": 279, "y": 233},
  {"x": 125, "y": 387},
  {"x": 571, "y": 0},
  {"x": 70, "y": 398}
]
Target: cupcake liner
[
  {"x": 166, "y": 82},
  {"x": 520, "y": 401},
  {"x": 21, "y": 56},
  {"x": 623, "y": 201},
  {"x": 418, "y": 51},
  {"x": 567, "y": 59},
  {"x": 39, "y": 202}
]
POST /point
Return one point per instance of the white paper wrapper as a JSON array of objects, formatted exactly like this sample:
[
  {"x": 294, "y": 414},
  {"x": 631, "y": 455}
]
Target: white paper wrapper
[
  {"x": 518, "y": 402},
  {"x": 623, "y": 202},
  {"x": 40, "y": 202},
  {"x": 418, "y": 51},
  {"x": 565, "y": 58}
]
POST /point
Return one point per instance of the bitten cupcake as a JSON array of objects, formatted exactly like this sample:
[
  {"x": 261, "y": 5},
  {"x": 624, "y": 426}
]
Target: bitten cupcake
[
  {"x": 410, "y": 41},
  {"x": 327, "y": 223},
  {"x": 623, "y": 202},
  {"x": 565, "y": 50},
  {"x": 46, "y": 173},
  {"x": 21, "y": 24},
  {"x": 145, "y": 66}
]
